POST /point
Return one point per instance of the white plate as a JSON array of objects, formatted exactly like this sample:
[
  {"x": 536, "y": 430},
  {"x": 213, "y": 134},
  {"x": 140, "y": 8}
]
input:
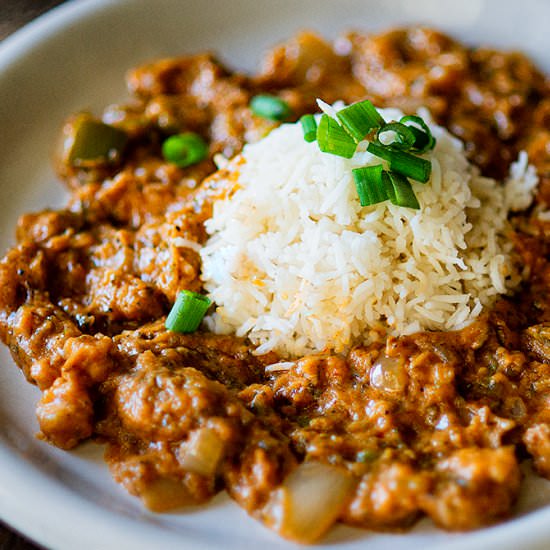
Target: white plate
[{"x": 74, "y": 58}]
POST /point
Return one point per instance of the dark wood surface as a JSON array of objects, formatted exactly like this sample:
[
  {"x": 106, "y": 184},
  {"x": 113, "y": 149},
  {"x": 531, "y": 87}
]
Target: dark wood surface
[{"x": 14, "y": 14}]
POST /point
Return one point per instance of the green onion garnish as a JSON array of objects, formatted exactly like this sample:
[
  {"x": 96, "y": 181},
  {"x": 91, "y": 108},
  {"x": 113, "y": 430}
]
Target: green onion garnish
[
  {"x": 404, "y": 137},
  {"x": 184, "y": 149},
  {"x": 373, "y": 183},
  {"x": 424, "y": 140},
  {"x": 270, "y": 107},
  {"x": 370, "y": 185},
  {"x": 309, "y": 127},
  {"x": 401, "y": 193},
  {"x": 188, "y": 311},
  {"x": 359, "y": 119},
  {"x": 404, "y": 163},
  {"x": 332, "y": 138}
]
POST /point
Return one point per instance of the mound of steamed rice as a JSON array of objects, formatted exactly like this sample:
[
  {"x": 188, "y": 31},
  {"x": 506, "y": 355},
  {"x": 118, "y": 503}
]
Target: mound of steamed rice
[{"x": 296, "y": 264}]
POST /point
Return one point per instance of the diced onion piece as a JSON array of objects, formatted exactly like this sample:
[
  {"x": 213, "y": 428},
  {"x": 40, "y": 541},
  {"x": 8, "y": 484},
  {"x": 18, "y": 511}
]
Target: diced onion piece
[
  {"x": 202, "y": 452},
  {"x": 388, "y": 374},
  {"x": 165, "y": 494},
  {"x": 309, "y": 501}
]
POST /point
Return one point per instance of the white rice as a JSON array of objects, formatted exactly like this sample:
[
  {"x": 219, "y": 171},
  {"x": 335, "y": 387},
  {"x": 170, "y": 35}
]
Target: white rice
[{"x": 297, "y": 265}]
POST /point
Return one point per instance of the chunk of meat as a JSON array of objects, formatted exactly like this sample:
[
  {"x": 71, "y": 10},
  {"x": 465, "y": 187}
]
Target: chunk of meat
[
  {"x": 413, "y": 62},
  {"x": 537, "y": 340},
  {"x": 388, "y": 496},
  {"x": 475, "y": 487},
  {"x": 155, "y": 409},
  {"x": 537, "y": 441},
  {"x": 64, "y": 363}
]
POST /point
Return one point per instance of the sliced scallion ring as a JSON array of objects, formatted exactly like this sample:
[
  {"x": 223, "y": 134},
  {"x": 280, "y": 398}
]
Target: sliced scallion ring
[
  {"x": 333, "y": 139},
  {"x": 309, "y": 127},
  {"x": 270, "y": 107},
  {"x": 359, "y": 119},
  {"x": 401, "y": 193},
  {"x": 188, "y": 311},
  {"x": 424, "y": 140},
  {"x": 404, "y": 137},
  {"x": 184, "y": 149},
  {"x": 404, "y": 163},
  {"x": 370, "y": 185}
]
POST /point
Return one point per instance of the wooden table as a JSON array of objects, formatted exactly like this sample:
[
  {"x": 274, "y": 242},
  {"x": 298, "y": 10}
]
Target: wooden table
[{"x": 14, "y": 14}]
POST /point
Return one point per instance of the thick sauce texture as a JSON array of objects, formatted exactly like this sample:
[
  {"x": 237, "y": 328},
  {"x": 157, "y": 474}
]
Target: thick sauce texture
[{"x": 429, "y": 424}]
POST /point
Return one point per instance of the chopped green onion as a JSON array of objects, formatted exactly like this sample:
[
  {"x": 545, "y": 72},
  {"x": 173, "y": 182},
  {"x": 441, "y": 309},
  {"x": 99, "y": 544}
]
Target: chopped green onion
[
  {"x": 375, "y": 185},
  {"x": 184, "y": 149},
  {"x": 188, "y": 311},
  {"x": 404, "y": 163},
  {"x": 424, "y": 140},
  {"x": 390, "y": 191},
  {"x": 333, "y": 139},
  {"x": 359, "y": 119},
  {"x": 401, "y": 193},
  {"x": 404, "y": 137},
  {"x": 270, "y": 107},
  {"x": 309, "y": 127},
  {"x": 370, "y": 185}
]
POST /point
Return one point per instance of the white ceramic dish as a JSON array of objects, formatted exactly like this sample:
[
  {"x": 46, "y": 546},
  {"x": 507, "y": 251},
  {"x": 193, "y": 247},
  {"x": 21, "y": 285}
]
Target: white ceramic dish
[{"x": 75, "y": 57}]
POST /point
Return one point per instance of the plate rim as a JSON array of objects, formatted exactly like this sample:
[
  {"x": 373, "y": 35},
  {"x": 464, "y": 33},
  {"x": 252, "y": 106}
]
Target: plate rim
[{"x": 18, "y": 476}]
